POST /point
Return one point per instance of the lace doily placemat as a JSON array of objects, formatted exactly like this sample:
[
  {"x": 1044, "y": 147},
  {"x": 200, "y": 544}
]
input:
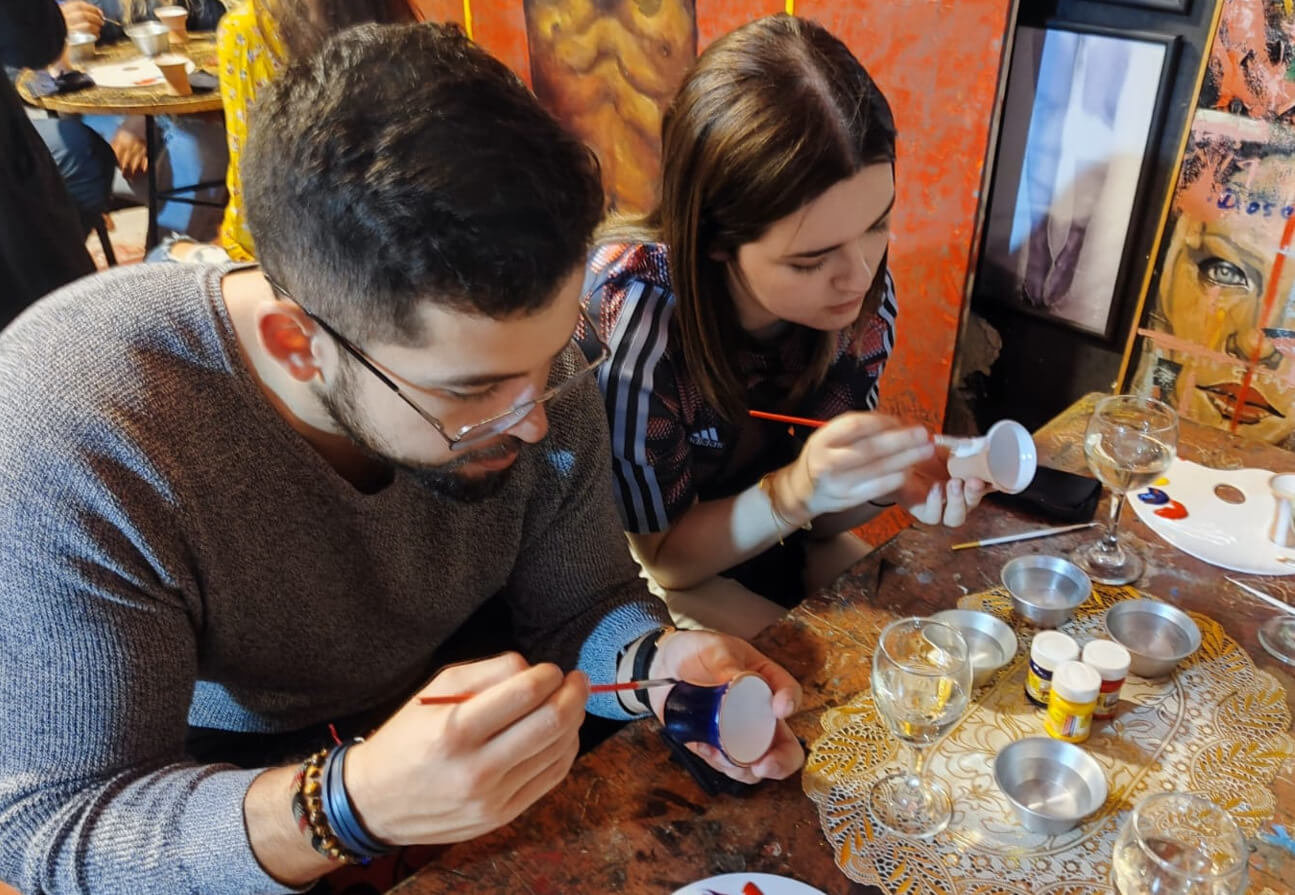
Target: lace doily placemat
[{"x": 1218, "y": 727}]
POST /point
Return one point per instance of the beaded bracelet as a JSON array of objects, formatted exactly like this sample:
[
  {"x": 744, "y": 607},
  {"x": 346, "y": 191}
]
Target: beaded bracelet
[{"x": 308, "y": 809}]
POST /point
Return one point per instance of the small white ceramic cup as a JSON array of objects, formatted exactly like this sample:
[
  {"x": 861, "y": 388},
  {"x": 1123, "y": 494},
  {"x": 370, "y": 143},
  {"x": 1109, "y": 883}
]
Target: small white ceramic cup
[
  {"x": 1004, "y": 456},
  {"x": 177, "y": 19},
  {"x": 1281, "y": 532}
]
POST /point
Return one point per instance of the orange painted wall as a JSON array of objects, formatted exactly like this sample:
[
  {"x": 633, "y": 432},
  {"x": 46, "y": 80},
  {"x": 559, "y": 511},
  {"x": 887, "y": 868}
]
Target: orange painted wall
[{"x": 938, "y": 63}]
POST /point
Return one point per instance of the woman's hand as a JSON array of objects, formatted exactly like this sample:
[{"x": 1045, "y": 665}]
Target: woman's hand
[
  {"x": 931, "y": 496},
  {"x": 853, "y": 458},
  {"x": 82, "y": 16}
]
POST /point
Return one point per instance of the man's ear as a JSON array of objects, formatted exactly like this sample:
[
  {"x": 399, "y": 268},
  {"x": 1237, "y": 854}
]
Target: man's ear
[{"x": 287, "y": 335}]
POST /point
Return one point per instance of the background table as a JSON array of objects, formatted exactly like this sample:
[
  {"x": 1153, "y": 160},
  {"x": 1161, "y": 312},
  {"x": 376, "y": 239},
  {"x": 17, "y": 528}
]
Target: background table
[
  {"x": 628, "y": 820},
  {"x": 145, "y": 101}
]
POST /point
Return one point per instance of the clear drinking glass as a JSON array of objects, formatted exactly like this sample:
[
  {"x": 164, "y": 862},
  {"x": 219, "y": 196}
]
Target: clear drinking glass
[
  {"x": 1277, "y": 636},
  {"x": 921, "y": 682},
  {"x": 1129, "y": 444},
  {"x": 1179, "y": 844}
]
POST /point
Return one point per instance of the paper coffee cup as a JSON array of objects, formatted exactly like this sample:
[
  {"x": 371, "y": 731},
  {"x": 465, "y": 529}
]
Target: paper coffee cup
[
  {"x": 176, "y": 71},
  {"x": 176, "y": 18}
]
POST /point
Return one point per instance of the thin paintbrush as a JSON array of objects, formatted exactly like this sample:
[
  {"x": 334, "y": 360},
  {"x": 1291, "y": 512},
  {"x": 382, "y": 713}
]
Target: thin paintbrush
[
  {"x": 1023, "y": 536},
  {"x": 596, "y": 688},
  {"x": 1273, "y": 601}
]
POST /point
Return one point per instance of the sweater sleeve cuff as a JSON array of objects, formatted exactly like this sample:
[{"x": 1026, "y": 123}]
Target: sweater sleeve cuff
[
  {"x": 598, "y": 656},
  {"x": 213, "y": 836}
]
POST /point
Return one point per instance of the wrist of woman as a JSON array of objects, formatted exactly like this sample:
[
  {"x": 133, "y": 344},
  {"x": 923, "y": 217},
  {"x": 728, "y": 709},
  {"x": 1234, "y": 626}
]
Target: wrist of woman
[{"x": 791, "y": 492}]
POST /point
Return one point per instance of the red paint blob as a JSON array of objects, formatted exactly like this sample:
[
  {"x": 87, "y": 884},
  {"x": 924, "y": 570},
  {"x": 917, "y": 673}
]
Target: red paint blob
[{"x": 1174, "y": 510}]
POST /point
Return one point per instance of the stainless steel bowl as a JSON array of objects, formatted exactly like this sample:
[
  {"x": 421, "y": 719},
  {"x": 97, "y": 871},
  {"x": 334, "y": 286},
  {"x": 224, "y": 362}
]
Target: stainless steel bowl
[
  {"x": 1045, "y": 589},
  {"x": 150, "y": 38},
  {"x": 1158, "y": 636},
  {"x": 1052, "y": 784},
  {"x": 80, "y": 46},
  {"x": 990, "y": 641}
]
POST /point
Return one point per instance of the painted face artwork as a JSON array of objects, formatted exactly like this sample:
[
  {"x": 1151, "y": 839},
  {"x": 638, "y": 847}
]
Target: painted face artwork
[{"x": 1223, "y": 352}]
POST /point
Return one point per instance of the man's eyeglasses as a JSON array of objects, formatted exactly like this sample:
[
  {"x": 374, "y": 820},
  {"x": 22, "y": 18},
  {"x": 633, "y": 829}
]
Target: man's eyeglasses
[{"x": 465, "y": 436}]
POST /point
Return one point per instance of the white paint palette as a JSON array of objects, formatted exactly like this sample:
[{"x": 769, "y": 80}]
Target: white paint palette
[
  {"x": 1225, "y": 534},
  {"x": 138, "y": 72},
  {"x": 748, "y": 884}
]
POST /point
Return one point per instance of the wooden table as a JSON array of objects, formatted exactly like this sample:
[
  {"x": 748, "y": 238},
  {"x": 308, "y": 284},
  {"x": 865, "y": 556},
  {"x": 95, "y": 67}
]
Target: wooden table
[
  {"x": 628, "y": 820},
  {"x": 146, "y": 101}
]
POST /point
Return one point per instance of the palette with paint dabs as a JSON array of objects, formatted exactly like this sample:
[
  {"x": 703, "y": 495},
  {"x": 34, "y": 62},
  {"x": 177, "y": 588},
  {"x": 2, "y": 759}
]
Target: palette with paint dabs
[{"x": 1221, "y": 516}]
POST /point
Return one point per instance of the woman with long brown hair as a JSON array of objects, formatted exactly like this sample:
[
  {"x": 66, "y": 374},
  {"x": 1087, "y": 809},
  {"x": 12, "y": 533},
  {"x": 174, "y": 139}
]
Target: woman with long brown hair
[{"x": 760, "y": 282}]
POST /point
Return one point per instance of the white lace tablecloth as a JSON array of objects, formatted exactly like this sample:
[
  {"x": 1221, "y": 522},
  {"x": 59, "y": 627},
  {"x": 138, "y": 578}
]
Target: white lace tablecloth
[{"x": 1218, "y": 727}]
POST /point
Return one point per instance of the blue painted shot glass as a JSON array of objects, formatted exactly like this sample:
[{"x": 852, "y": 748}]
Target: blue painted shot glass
[{"x": 736, "y": 718}]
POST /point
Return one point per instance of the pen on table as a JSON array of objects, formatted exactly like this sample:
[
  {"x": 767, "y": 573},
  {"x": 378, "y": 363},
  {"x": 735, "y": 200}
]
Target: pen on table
[
  {"x": 1280, "y": 604},
  {"x": 1024, "y": 535},
  {"x": 596, "y": 688}
]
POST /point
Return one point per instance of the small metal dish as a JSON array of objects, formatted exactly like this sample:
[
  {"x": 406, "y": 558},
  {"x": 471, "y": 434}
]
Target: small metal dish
[
  {"x": 150, "y": 38},
  {"x": 80, "y": 46},
  {"x": 990, "y": 641},
  {"x": 1158, "y": 636},
  {"x": 1045, "y": 589},
  {"x": 1052, "y": 784}
]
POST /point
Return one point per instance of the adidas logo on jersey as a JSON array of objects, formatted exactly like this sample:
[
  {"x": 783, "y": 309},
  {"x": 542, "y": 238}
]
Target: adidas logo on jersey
[{"x": 707, "y": 438}]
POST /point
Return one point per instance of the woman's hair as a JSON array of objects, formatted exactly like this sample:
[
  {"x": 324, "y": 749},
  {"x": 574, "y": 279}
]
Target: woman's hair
[
  {"x": 769, "y": 117},
  {"x": 303, "y": 25}
]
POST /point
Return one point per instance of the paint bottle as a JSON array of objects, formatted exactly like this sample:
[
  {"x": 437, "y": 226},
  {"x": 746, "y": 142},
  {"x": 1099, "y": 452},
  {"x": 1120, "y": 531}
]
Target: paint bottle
[
  {"x": 1049, "y": 649},
  {"x": 1111, "y": 662},
  {"x": 1071, "y": 702}
]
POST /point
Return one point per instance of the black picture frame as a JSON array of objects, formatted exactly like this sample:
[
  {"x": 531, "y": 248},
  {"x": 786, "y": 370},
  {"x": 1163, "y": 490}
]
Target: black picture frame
[
  {"x": 1178, "y": 6},
  {"x": 1072, "y": 86}
]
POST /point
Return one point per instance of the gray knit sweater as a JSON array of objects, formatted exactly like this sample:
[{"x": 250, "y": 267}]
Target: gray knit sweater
[{"x": 174, "y": 554}]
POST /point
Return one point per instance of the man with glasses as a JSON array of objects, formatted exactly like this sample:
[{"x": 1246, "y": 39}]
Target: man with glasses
[{"x": 243, "y": 505}]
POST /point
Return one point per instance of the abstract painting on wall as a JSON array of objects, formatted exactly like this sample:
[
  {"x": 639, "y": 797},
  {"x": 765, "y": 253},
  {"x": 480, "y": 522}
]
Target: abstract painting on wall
[
  {"x": 1083, "y": 107},
  {"x": 1219, "y": 332}
]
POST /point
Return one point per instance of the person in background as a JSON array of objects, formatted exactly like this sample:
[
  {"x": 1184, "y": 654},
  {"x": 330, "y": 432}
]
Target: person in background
[
  {"x": 41, "y": 239},
  {"x": 760, "y": 282},
  {"x": 191, "y": 148},
  {"x": 254, "y": 42},
  {"x": 254, "y": 501}
]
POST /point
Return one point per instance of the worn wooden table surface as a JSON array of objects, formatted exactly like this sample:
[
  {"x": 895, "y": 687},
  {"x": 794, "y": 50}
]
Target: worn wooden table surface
[
  {"x": 154, "y": 100},
  {"x": 629, "y": 820}
]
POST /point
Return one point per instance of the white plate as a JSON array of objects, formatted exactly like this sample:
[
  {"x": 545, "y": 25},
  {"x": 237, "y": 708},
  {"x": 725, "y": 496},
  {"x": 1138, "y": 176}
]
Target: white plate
[
  {"x": 138, "y": 72},
  {"x": 1232, "y": 536},
  {"x": 732, "y": 883}
]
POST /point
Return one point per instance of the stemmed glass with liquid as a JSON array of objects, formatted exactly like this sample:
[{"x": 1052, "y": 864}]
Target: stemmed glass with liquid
[
  {"x": 1179, "y": 844},
  {"x": 1129, "y": 444},
  {"x": 921, "y": 683}
]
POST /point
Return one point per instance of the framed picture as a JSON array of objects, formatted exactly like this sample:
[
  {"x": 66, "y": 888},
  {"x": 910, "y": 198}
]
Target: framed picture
[
  {"x": 1159, "y": 5},
  {"x": 1080, "y": 122}
]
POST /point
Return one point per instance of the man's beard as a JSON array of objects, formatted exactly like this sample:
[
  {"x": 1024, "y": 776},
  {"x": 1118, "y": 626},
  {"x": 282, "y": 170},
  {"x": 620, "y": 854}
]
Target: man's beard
[{"x": 442, "y": 478}]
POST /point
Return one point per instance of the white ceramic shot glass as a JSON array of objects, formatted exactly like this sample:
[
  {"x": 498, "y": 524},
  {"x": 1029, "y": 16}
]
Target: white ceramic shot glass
[{"x": 1004, "y": 456}]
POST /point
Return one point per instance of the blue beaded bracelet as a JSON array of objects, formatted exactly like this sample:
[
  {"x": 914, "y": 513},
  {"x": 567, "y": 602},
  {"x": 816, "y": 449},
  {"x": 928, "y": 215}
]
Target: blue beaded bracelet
[{"x": 340, "y": 813}]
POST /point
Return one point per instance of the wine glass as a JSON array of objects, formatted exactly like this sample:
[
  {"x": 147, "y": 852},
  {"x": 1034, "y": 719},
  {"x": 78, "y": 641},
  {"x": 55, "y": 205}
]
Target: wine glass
[
  {"x": 1277, "y": 636},
  {"x": 1178, "y": 843},
  {"x": 1130, "y": 443},
  {"x": 921, "y": 682}
]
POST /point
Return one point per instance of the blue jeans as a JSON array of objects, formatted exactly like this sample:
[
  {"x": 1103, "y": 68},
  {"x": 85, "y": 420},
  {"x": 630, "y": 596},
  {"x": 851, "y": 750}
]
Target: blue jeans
[
  {"x": 191, "y": 149},
  {"x": 84, "y": 160}
]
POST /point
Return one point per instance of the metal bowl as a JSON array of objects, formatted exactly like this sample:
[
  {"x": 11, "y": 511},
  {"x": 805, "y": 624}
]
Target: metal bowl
[
  {"x": 1045, "y": 589},
  {"x": 1158, "y": 636},
  {"x": 990, "y": 641},
  {"x": 150, "y": 38},
  {"x": 1052, "y": 784},
  {"x": 80, "y": 46}
]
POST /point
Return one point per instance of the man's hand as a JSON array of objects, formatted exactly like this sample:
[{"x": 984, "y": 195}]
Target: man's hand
[
  {"x": 131, "y": 152},
  {"x": 447, "y": 773},
  {"x": 708, "y": 657},
  {"x": 82, "y": 16}
]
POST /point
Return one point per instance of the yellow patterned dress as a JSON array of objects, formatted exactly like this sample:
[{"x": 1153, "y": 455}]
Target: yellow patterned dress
[{"x": 250, "y": 56}]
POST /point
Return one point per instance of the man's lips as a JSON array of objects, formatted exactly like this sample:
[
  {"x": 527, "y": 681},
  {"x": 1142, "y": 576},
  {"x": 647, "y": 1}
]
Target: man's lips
[{"x": 1224, "y": 395}]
